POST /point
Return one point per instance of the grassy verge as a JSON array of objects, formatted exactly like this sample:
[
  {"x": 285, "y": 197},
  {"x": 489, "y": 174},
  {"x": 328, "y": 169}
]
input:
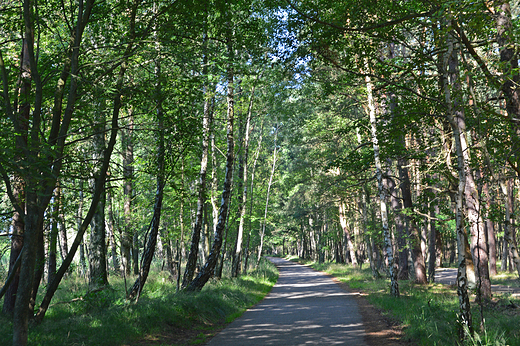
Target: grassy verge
[
  {"x": 106, "y": 318},
  {"x": 429, "y": 313},
  {"x": 506, "y": 279}
]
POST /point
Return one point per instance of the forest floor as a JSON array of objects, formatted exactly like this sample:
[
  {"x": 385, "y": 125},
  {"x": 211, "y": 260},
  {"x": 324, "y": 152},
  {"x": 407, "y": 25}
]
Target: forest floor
[{"x": 448, "y": 276}]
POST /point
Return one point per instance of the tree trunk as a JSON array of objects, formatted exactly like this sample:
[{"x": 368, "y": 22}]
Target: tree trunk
[
  {"x": 128, "y": 176},
  {"x": 510, "y": 83},
  {"x": 253, "y": 170},
  {"x": 64, "y": 245},
  {"x": 149, "y": 246},
  {"x": 53, "y": 240},
  {"x": 400, "y": 229},
  {"x": 269, "y": 184},
  {"x": 434, "y": 253},
  {"x": 209, "y": 267},
  {"x": 79, "y": 221},
  {"x": 111, "y": 231},
  {"x": 509, "y": 240},
  {"x": 97, "y": 247},
  {"x": 25, "y": 285},
  {"x": 170, "y": 265},
  {"x": 478, "y": 236},
  {"x": 389, "y": 253},
  {"x": 490, "y": 231},
  {"x": 237, "y": 256},
  {"x": 465, "y": 319},
  {"x": 153, "y": 231},
  {"x": 197, "y": 226},
  {"x": 343, "y": 223},
  {"x": 18, "y": 184},
  {"x": 98, "y": 185}
]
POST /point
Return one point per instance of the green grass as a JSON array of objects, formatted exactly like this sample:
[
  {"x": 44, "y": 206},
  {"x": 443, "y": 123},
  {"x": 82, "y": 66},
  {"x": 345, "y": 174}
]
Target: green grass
[
  {"x": 107, "y": 318},
  {"x": 506, "y": 279},
  {"x": 429, "y": 313}
]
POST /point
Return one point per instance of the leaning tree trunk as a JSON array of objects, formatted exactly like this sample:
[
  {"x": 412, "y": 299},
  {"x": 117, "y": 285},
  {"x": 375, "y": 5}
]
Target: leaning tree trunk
[
  {"x": 209, "y": 267},
  {"x": 153, "y": 231},
  {"x": 99, "y": 181},
  {"x": 389, "y": 252},
  {"x": 46, "y": 164},
  {"x": 151, "y": 241}
]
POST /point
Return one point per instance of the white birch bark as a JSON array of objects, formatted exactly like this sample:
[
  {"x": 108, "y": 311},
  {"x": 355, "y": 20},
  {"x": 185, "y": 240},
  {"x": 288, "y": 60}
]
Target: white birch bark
[
  {"x": 389, "y": 252},
  {"x": 262, "y": 232},
  {"x": 343, "y": 223},
  {"x": 237, "y": 259}
]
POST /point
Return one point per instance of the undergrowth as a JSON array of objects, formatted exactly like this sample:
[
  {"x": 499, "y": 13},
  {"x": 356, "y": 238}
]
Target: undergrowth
[
  {"x": 428, "y": 313},
  {"x": 107, "y": 318}
]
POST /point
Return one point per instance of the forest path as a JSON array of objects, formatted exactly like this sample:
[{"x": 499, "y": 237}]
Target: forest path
[
  {"x": 448, "y": 276},
  {"x": 305, "y": 307}
]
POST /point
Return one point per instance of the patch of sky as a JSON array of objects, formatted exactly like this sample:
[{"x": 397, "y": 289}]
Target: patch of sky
[{"x": 285, "y": 44}]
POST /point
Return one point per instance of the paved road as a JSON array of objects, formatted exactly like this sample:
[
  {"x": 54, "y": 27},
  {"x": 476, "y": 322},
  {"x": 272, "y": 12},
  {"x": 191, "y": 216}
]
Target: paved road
[
  {"x": 304, "y": 308},
  {"x": 448, "y": 276}
]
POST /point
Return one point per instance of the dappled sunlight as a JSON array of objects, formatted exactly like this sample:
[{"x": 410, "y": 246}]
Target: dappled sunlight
[{"x": 304, "y": 307}]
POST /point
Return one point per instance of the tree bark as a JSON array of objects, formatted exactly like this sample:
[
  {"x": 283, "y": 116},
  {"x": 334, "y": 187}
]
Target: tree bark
[
  {"x": 209, "y": 267},
  {"x": 414, "y": 232},
  {"x": 97, "y": 247},
  {"x": 128, "y": 176},
  {"x": 465, "y": 318},
  {"x": 490, "y": 231},
  {"x": 111, "y": 229},
  {"x": 153, "y": 230},
  {"x": 509, "y": 239},
  {"x": 237, "y": 257},
  {"x": 389, "y": 252},
  {"x": 18, "y": 184},
  {"x": 269, "y": 184},
  {"x": 53, "y": 240},
  {"x": 197, "y": 226},
  {"x": 343, "y": 223},
  {"x": 101, "y": 177},
  {"x": 400, "y": 229}
]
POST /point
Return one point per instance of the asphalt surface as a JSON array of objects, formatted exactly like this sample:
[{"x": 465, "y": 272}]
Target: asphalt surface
[{"x": 305, "y": 307}]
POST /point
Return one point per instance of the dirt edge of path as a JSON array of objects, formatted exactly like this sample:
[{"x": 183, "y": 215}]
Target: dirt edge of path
[{"x": 380, "y": 330}]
